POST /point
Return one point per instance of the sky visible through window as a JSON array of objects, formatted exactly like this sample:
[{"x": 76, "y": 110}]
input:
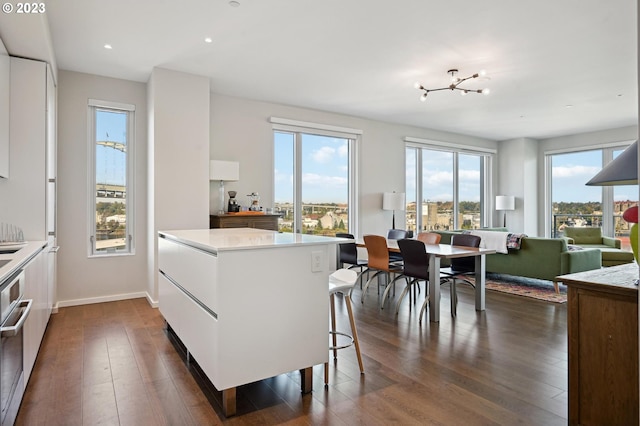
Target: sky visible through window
[
  {"x": 571, "y": 171},
  {"x": 111, "y": 163},
  {"x": 325, "y": 170}
]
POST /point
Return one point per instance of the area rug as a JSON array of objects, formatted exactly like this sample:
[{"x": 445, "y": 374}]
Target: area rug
[{"x": 526, "y": 287}]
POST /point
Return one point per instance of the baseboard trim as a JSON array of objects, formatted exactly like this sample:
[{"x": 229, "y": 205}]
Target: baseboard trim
[
  {"x": 101, "y": 299},
  {"x": 153, "y": 303}
]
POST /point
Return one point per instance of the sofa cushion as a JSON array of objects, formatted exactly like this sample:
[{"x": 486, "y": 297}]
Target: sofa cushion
[{"x": 584, "y": 235}]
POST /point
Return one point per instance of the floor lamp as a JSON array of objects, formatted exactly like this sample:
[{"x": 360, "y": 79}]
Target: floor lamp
[
  {"x": 223, "y": 171},
  {"x": 504, "y": 203},
  {"x": 393, "y": 201}
]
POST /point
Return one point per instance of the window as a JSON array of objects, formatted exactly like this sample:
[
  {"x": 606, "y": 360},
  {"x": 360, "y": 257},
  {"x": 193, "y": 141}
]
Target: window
[
  {"x": 445, "y": 188},
  {"x": 314, "y": 179},
  {"x": 110, "y": 178},
  {"x": 572, "y": 203}
]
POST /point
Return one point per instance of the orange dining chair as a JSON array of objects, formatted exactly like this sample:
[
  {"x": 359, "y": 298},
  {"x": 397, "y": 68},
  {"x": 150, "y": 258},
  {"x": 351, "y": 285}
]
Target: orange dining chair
[
  {"x": 378, "y": 253},
  {"x": 429, "y": 237}
]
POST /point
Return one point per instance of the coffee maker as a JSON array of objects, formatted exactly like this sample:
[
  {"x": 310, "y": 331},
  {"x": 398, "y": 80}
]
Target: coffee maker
[{"x": 233, "y": 205}]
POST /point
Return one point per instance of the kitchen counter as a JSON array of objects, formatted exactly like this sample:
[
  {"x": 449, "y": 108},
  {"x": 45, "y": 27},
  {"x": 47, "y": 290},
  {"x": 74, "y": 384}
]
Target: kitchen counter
[
  {"x": 19, "y": 258},
  {"x": 248, "y": 304},
  {"x": 226, "y": 239}
]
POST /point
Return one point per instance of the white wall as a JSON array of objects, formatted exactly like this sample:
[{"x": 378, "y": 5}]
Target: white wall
[
  {"x": 517, "y": 176},
  {"x": 241, "y": 131},
  {"x": 178, "y": 155},
  {"x": 82, "y": 279}
]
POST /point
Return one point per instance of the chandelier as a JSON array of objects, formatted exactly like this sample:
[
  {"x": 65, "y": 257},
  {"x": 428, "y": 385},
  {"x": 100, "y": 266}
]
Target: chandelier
[{"x": 455, "y": 82}]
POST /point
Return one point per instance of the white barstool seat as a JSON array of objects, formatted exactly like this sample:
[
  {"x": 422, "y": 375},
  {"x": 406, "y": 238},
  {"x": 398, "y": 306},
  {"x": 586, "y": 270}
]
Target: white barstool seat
[{"x": 342, "y": 281}]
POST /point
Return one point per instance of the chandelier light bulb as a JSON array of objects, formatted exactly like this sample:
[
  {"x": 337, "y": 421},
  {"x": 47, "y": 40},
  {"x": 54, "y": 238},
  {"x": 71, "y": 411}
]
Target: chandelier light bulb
[
  {"x": 423, "y": 97},
  {"x": 463, "y": 93},
  {"x": 417, "y": 85},
  {"x": 482, "y": 73},
  {"x": 486, "y": 91}
]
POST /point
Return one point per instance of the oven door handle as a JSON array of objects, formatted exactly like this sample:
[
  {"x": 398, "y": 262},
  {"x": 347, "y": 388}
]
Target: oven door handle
[{"x": 15, "y": 329}]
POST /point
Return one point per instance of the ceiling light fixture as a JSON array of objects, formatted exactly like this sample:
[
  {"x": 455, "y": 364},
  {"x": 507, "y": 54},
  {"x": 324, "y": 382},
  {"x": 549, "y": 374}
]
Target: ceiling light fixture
[
  {"x": 234, "y": 3},
  {"x": 108, "y": 46},
  {"x": 208, "y": 40},
  {"x": 455, "y": 82}
]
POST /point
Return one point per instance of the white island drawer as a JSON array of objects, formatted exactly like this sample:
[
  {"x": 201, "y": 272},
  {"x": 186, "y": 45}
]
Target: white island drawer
[{"x": 193, "y": 269}]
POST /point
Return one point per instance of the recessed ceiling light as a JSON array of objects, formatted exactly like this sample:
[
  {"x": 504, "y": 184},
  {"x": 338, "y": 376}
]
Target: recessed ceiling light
[
  {"x": 208, "y": 40},
  {"x": 568, "y": 106},
  {"x": 234, "y": 3},
  {"x": 108, "y": 46}
]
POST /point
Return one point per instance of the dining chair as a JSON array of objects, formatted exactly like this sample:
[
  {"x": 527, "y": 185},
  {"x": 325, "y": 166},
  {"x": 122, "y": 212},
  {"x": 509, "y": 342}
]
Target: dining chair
[
  {"x": 415, "y": 268},
  {"x": 348, "y": 254},
  {"x": 460, "y": 267},
  {"x": 378, "y": 254},
  {"x": 396, "y": 234},
  {"x": 429, "y": 237}
]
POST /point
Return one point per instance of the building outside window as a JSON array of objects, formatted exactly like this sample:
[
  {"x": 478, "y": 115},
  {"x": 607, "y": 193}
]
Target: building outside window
[{"x": 111, "y": 148}]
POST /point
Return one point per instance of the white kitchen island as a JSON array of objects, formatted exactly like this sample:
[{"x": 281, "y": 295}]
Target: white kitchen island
[{"x": 248, "y": 304}]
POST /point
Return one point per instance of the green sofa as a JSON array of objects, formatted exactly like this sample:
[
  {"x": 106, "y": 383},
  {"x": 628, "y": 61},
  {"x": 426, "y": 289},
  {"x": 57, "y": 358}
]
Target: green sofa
[
  {"x": 591, "y": 237},
  {"x": 541, "y": 258}
]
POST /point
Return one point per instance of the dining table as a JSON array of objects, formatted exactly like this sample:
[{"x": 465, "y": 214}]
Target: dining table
[{"x": 435, "y": 253}]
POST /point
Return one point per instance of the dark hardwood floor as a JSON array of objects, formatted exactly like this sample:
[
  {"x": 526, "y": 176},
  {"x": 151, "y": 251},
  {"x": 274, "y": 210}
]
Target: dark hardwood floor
[{"x": 113, "y": 363}]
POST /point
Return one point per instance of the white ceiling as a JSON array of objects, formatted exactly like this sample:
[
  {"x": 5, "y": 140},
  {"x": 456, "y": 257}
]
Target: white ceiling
[{"x": 362, "y": 57}]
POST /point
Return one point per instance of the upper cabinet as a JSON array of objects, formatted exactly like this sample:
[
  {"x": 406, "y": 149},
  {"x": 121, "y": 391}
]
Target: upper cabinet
[{"x": 5, "y": 66}]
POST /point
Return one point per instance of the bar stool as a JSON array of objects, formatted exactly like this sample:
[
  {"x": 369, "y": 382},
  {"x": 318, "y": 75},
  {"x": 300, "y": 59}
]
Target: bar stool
[{"x": 342, "y": 281}]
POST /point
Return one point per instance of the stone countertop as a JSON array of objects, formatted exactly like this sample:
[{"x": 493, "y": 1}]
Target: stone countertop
[
  {"x": 18, "y": 259},
  {"x": 229, "y": 239}
]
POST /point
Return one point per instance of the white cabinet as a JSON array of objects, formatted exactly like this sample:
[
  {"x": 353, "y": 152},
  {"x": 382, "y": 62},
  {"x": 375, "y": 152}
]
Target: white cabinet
[
  {"x": 36, "y": 289},
  {"x": 5, "y": 66},
  {"x": 29, "y": 195}
]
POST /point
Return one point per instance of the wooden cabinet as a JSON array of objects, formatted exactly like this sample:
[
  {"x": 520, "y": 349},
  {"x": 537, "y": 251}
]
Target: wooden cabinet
[
  {"x": 260, "y": 221},
  {"x": 603, "y": 346}
]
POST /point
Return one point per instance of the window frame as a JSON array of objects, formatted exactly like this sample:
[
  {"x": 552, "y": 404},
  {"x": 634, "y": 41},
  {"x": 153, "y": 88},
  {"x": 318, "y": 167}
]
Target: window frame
[
  {"x": 486, "y": 173},
  {"x": 93, "y": 107},
  {"x": 607, "y": 196},
  {"x": 297, "y": 129}
]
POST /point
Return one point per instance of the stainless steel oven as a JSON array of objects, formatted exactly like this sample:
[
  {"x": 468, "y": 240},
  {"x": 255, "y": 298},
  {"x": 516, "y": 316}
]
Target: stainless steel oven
[{"x": 13, "y": 313}]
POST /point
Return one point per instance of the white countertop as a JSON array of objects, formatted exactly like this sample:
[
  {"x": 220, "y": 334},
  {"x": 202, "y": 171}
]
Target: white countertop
[
  {"x": 227, "y": 239},
  {"x": 18, "y": 259}
]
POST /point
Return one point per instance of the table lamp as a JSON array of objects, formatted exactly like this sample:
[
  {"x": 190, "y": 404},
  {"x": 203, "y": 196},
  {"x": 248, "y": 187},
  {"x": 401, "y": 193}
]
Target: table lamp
[
  {"x": 223, "y": 171},
  {"x": 393, "y": 201},
  {"x": 505, "y": 202}
]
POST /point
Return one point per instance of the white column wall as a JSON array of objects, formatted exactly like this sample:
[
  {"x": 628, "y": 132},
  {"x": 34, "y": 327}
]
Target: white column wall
[{"x": 178, "y": 155}]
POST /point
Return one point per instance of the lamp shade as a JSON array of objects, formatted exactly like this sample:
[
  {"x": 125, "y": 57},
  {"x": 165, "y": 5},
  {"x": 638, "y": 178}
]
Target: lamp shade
[
  {"x": 623, "y": 170},
  {"x": 505, "y": 202},
  {"x": 224, "y": 170},
  {"x": 393, "y": 201}
]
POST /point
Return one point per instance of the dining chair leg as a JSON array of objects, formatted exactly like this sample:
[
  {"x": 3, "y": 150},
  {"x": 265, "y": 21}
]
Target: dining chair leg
[
  {"x": 333, "y": 324},
  {"x": 366, "y": 286},
  {"x": 354, "y": 333},
  {"x": 407, "y": 289},
  {"x": 423, "y": 308},
  {"x": 326, "y": 374},
  {"x": 387, "y": 289},
  {"x": 454, "y": 297}
]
